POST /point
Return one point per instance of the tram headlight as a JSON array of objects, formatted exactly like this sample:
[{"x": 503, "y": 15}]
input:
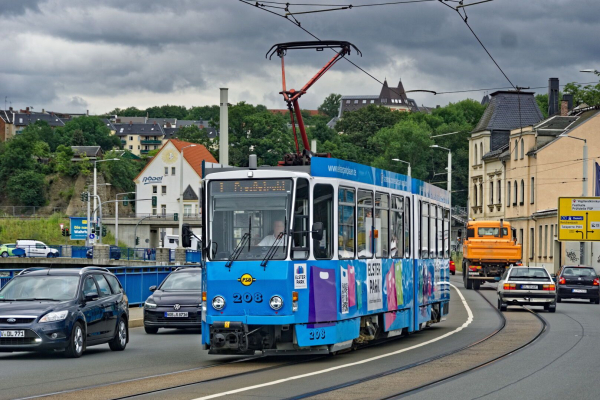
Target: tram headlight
[
  {"x": 218, "y": 302},
  {"x": 276, "y": 303}
]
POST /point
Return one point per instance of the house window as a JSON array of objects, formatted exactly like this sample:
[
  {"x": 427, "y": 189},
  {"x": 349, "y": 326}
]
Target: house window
[
  {"x": 364, "y": 102},
  {"x": 347, "y": 101},
  {"x": 139, "y": 147},
  {"x": 532, "y": 195},
  {"x": 551, "y": 241},
  {"x": 166, "y": 170},
  {"x": 163, "y": 210},
  {"x": 145, "y": 147},
  {"x": 480, "y": 153},
  {"x": 491, "y": 192},
  {"x": 508, "y": 194},
  {"x": 531, "y": 242},
  {"x": 522, "y": 192},
  {"x": 481, "y": 194},
  {"x": 546, "y": 241},
  {"x": 516, "y": 149},
  {"x": 155, "y": 147},
  {"x": 521, "y": 237},
  {"x": 475, "y": 195},
  {"x": 154, "y": 189},
  {"x": 20, "y": 120},
  {"x": 475, "y": 159},
  {"x": 187, "y": 210},
  {"x": 172, "y": 170},
  {"x": 130, "y": 147},
  {"x": 372, "y": 101},
  {"x": 130, "y": 138},
  {"x": 499, "y": 192},
  {"x": 540, "y": 243},
  {"x": 154, "y": 211},
  {"x": 355, "y": 101},
  {"x": 383, "y": 101},
  {"x": 522, "y": 149},
  {"x": 516, "y": 194},
  {"x": 163, "y": 189}
]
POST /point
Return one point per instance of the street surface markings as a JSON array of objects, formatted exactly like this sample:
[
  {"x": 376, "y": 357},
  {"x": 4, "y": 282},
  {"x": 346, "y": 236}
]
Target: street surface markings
[{"x": 353, "y": 364}]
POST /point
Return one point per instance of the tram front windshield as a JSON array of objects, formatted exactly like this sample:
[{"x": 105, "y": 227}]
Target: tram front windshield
[{"x": 249, "y": 218}]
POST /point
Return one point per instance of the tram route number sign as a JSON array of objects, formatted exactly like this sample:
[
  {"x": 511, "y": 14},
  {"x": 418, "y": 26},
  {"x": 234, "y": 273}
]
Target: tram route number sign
[
  {"x": 579, "y": 219},
  {"x": 374, "y": 286}
]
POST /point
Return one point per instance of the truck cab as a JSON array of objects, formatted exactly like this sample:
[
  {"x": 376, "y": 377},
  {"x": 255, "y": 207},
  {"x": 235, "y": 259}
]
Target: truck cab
[{"x": 489, "y": 248}]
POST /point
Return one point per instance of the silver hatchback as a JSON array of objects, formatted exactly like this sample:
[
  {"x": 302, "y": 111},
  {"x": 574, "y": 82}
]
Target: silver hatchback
[{"x": 527, "y": 286}]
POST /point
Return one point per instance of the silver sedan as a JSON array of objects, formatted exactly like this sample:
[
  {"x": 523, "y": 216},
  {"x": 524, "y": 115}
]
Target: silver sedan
[{"x": 527, "y": 286}]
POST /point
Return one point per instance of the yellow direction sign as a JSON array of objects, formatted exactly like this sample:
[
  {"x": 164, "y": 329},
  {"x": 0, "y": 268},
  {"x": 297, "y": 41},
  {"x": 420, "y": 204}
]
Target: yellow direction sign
[{"x": 579, "y": 219}]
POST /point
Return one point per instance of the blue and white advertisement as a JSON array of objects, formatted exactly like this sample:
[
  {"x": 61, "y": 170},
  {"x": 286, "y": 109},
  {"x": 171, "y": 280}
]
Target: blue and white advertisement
[{"x": 79, "y": 228}]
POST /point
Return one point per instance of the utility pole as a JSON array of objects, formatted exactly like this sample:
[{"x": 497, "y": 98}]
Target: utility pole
[
  {"x": 117, "y": 216},
  {"x": 181, "y": 196},
  {"x": 223, "y": 131}
]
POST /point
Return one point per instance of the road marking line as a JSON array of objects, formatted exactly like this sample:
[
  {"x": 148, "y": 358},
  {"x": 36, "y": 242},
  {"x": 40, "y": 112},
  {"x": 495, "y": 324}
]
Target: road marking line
[{"x": 353, "y": 364}]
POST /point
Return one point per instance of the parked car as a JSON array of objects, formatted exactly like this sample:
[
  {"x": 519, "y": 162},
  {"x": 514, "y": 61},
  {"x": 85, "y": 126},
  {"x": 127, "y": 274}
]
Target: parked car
[
  {"x": 35, "y": 248},
  {"x": 176, "y": 303},
  {"x": 578, "y": 282},
  {"x": 526, "y": 286},
  {"x": 115, "y": 253},
  {"x": 10, "y": 249},
  {"x": 63, "y": 309},
  {"x": 452, "y": 267}
]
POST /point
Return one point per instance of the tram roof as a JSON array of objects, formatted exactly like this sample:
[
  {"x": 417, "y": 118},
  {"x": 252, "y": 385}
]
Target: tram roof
[{"x": 350, "y": 171}]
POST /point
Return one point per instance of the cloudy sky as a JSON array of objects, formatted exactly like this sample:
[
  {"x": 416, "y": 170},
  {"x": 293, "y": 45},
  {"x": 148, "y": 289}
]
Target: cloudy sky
[{"x": 71, "y": 56}]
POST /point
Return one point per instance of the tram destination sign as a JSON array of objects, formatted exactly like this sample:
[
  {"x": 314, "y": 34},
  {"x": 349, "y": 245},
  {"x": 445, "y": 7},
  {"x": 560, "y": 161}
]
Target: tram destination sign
[
  {"x": 579, "y": 219},
  {"x": 253, "y": 186}
]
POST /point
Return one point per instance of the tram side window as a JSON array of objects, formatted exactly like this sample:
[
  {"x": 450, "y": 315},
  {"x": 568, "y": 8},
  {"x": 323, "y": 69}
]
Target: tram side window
[
  {"x": 407, "y": 219},
  {"x": 382, "y": 206},
  {"x": 365, "y": 224},
  {"x": 346, "y": 210},
  {"x": 300, "y": 245},
  {"x": 323, "y": 212},
  {"x": 440, "y": 233},
  {"x": 446, "y": 233},
  {"x": 397, "y": 227},
  {"x": 432, "y": 231},
  {"x": 424, "y": 229}
]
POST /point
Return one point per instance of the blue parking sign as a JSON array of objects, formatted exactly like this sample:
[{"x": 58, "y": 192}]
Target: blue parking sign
[{"x": 79, "y": 228}]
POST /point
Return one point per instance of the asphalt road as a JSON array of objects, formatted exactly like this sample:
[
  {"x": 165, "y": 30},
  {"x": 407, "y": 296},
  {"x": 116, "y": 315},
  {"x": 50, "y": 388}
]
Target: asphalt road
[{"x": 563, "y": 363}]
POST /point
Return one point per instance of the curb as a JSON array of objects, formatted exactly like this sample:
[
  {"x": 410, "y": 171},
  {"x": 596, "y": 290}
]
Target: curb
[{"x": 136, "y": 323}]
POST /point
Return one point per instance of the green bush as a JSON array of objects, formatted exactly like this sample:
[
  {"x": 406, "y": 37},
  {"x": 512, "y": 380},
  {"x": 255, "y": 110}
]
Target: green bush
[{"x": 27, "y": 188}]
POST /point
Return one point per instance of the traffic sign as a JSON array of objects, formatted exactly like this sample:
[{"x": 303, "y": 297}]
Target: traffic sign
[
  {"x": 579, "y": 219},
  {"x": 92, "y": 236}
]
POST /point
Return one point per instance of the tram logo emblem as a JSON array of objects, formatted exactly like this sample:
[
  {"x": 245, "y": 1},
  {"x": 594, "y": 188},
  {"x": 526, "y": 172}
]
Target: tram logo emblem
[
  {"x": 176, "y": 307},
  {"x": 246, "y": 279}
]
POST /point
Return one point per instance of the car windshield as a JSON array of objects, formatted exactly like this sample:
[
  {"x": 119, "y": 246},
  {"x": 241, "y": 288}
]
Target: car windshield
[
  {"x": 537, "y": 274},
  {"x": 491, "y": 231},
  {"x": 579, "y": 272},
  {"x": 45, "y": 287},
  {"x": 249, "y": 217},
  {"x": 183, "y": 281}
]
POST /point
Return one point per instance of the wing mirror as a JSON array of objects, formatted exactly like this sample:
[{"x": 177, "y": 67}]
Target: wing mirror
[
  {"x": 317, "y": 231},
  {"x": 152, "y": 288},
  {"x": 90, "y": 297}
]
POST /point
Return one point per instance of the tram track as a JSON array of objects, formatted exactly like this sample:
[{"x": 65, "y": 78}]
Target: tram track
[{"x": 333, "y": 391}]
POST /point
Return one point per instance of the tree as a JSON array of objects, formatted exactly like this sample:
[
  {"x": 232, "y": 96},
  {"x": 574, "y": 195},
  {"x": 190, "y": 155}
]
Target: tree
[
  {"x": 542, "y": 102},
  {"x": 41, "y": 150},
  {"x": 331, "y": 105},
  {"x": 206, "y": 113},
  {"x": 63, "y": 159},
  {"x": 27, "y": 188},
  {"x": 193, "y": 134},
  {"x": 120, "y": 173},
  {"x": 88, "y": 131},
  {"x": 589, "y": 94}
]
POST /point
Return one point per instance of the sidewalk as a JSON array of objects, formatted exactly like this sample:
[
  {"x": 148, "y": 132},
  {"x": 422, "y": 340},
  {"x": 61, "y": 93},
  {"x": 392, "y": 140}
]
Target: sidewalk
[{"x": 136, "y": 317}]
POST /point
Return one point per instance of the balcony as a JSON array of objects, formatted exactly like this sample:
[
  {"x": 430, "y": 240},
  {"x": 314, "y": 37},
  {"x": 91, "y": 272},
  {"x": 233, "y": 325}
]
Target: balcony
[
  {"x": 144, "y": 151},
  {"x": 156, "y": 142}
]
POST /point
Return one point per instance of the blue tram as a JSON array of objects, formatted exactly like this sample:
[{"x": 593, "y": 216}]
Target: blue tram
[{"x": 320, "y": 258}]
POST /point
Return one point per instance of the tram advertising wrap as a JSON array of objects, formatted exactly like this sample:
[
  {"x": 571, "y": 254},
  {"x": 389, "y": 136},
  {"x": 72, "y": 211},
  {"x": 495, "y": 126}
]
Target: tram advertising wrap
[{"x": 323, "y": 260}]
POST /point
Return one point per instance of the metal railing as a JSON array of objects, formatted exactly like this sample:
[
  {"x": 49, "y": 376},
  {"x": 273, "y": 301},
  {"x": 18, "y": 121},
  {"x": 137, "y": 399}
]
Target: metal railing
[{"x": 29, "y": 211}]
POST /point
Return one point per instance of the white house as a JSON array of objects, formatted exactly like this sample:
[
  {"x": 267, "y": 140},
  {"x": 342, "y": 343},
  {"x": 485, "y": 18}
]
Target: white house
[{"x": 160, "y": 179}]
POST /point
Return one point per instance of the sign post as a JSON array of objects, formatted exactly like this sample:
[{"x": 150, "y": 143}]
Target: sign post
[{"x": 579, "y": 219}]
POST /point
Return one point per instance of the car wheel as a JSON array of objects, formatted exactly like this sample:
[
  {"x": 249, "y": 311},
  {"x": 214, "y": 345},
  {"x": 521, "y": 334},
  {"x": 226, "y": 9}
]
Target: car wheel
[
  {"x": 4, "y": 254},
  {"x": 150, "y": 330},
  {"x": 119, "y": 342},
  {"x": 76, "y": 342},
  {"x": 558, "y": 299}
]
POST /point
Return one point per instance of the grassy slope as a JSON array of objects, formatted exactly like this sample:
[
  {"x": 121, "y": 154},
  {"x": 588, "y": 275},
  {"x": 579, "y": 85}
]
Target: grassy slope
[{"x": 46, "y": 230}]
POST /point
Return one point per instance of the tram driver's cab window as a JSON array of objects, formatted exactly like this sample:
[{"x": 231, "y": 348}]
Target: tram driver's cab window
[
  {"x": 346, "y": 210},
  {"x": 301, "y": 234},
  {"x": 323, "y": 213}
]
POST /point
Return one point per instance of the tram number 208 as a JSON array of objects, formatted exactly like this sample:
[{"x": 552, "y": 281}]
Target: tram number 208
[
  {"x": 247, "y": 297},
  {"x": 316, "y": 334}
]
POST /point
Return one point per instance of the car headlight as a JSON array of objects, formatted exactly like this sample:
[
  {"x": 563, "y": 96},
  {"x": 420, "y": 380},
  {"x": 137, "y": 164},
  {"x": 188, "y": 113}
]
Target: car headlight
[
  {"x": 55, "y": 316},
  {"x": 218, "y": 303},
  {"x": 276, "y": 303},
  {"x": 149, "y": 305}
]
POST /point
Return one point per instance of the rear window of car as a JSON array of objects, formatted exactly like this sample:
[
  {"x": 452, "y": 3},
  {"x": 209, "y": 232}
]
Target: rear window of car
[
  {"x": 538, "y": 274},
  {"x": 103, "y": 285},
  {"x": 579, "y": 272},
  {"x": 114, "y": 283}
]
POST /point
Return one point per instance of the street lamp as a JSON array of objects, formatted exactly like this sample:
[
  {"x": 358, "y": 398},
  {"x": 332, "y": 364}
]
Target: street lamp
[
  {"x": 95, "y": 180},
  {"x": 593, "y": 71},
  {"x": 181, "y": 196},
  {"x": 405, "y": 162},
  {"x": 445, "y": 134},
  {"x": 435, "y": 146}
]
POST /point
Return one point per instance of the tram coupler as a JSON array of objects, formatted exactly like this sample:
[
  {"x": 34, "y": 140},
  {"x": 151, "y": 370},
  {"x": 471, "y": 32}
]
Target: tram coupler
[{"x": 228, "y": 337}]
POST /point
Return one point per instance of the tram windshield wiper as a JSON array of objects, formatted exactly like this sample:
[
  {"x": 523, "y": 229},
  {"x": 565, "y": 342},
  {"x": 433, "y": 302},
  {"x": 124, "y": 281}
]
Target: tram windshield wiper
[
  {"x": 272, "y": 250},
  {"x": 238, "y": 250}
]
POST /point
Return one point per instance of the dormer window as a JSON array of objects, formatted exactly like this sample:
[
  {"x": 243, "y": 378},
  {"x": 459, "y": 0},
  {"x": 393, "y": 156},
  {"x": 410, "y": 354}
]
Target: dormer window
[{"x": 355, "y": 101}]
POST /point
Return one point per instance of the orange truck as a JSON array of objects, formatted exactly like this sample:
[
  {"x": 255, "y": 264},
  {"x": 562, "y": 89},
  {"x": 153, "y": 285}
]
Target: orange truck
[{"x": 488, "y": 250}]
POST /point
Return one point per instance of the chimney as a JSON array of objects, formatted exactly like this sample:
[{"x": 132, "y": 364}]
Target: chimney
[
  {"x": 569, "y": 99},
  {"x": 553, "y": 97},
  {"x": 87, "y": 112},
  {"x": 130, "y": 123},
  {"x": 43, "y": 111}
]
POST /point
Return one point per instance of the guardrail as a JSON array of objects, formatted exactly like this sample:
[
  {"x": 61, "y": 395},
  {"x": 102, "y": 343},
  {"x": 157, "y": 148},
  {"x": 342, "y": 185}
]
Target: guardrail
[
  {"x": 135, "y": 280},
  {"x": 29, "y": 211}
]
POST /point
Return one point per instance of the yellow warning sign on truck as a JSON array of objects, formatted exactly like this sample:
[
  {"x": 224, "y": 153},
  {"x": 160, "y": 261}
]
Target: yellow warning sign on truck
[{"x": 579, "y": 219}]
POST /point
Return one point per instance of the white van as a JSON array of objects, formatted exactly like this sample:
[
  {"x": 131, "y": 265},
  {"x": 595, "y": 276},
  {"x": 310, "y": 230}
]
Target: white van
[{"x": 35, "y": 248}]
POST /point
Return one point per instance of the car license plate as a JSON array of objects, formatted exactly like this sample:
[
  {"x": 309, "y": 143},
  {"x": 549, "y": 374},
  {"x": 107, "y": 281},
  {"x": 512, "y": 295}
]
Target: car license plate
[
  {"x": 176, "y": 314},
  {"x": 12, "y": 334},
  {"x": 579, "y": 291},
  {"x": 530, "y": 287}
]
